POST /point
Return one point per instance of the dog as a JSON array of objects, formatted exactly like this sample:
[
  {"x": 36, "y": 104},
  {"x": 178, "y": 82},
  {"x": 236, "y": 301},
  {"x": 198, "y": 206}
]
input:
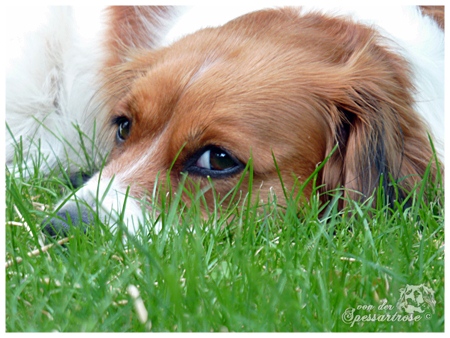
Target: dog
[{"x": 161, "y": 92}]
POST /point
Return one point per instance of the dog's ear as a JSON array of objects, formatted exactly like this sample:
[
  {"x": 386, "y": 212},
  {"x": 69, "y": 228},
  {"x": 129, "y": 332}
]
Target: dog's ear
[
  {"x": 133, "y": 34},
  {"x": 135, "y": 27},
  {"x": 379, "y": 134}
]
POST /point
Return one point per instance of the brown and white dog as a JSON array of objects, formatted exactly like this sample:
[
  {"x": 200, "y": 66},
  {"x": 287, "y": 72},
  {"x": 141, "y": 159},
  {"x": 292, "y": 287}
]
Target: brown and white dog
[{"x": 200, "y": 90}]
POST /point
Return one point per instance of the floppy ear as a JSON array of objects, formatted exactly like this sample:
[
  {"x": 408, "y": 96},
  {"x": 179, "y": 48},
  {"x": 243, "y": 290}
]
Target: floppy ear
[
  {"x": 132, "y": 34},
  {"x": 379, "y": 134},
  {"x": 135, "y": 27}
]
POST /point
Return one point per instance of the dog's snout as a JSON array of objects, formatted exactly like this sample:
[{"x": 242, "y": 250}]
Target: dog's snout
[{"x": 70, "y": 215}]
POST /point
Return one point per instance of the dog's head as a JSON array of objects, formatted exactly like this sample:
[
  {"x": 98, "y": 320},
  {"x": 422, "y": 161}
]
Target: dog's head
[{"x": 270, "y": 84}]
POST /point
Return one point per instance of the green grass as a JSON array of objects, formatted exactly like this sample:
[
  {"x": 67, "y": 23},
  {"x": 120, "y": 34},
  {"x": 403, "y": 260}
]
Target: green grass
[{"x": 249, "y": 268}]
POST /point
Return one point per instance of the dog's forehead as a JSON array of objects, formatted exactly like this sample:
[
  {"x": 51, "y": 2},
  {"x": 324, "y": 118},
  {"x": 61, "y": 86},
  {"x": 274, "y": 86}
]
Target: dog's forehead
[
  {"x": 195, "y": 78},
  {"x": 222, "y": 93},
  {"x": 219, "y": 80},
  {"x": 204, "y": 89}
]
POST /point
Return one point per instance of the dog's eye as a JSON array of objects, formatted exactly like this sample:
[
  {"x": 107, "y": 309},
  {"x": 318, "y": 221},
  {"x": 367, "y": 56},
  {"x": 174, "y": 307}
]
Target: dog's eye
[
  {"x": 215, "y": 159},
  {"x": 215, "y": 162},
  {"x": 123, "y": 128}
]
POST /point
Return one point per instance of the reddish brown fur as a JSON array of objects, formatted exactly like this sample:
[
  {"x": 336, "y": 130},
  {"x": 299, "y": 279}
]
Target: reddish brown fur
[
  {"x": 270, "y": 82},
  {"x": 436, "y": 12}
]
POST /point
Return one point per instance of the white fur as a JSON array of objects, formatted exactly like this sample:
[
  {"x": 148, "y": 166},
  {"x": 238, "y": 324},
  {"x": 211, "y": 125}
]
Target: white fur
[
  {"x": 109, "y": 198},
  {"x": 51, "y": 79},
  {"x": 191, "y": 19}
]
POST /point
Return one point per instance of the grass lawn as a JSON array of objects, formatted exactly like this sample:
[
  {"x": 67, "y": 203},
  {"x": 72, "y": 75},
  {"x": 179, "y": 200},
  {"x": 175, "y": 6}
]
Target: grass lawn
[{"x": 249, "y": 268}]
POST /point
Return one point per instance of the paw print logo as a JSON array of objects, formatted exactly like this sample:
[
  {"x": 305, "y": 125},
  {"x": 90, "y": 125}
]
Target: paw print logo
[{"x": 416, "y": 299}]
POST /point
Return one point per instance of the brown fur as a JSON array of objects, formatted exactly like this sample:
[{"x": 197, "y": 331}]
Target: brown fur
[{"x": 271, "y": 82}]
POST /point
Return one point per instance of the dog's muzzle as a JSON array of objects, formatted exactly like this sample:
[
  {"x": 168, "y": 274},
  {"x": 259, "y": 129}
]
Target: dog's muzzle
[{"x": 70, "y": 215}]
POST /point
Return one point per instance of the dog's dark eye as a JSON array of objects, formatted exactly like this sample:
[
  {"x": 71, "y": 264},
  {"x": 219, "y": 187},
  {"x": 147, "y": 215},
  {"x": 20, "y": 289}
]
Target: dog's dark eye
[
  {"x": 123, "y": 128},
  {"x": 215, "y": 159},
  {"x": 215, "y": 162}
]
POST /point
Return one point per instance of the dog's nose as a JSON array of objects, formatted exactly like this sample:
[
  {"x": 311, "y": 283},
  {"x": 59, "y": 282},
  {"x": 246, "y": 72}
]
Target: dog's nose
[{"x": 70, "y": 215}]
